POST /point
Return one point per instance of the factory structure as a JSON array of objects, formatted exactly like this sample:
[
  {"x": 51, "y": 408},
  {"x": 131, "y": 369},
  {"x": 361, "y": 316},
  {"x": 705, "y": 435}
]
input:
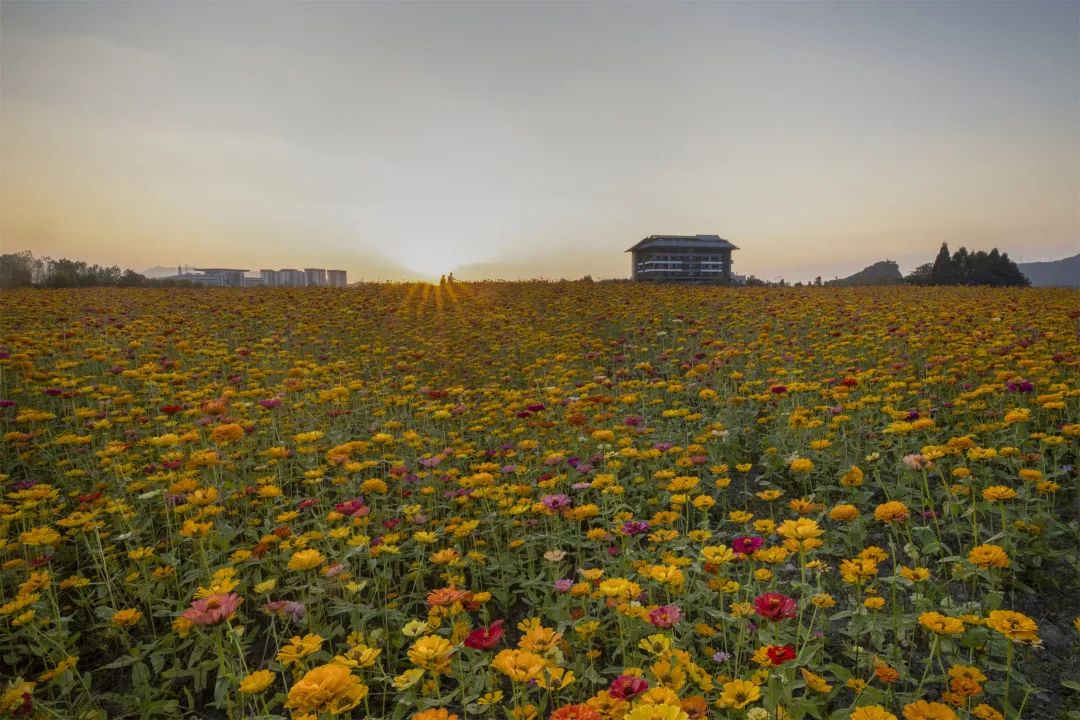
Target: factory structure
[{"x": 286, "y": 277}]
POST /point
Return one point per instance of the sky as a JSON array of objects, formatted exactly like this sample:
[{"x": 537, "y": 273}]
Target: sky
[{"x": 518, "y": 140}]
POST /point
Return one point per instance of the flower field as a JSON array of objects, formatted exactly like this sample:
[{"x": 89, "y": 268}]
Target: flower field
[{"x": 540, "y": 500}]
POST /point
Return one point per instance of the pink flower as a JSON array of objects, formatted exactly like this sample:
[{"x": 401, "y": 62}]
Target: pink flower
[
  {"x": 916, "y": 461},
  {"x": 665, "y": 616},
  {"x": 214, "y": 609},
  {"x": 626, "y": 687}
]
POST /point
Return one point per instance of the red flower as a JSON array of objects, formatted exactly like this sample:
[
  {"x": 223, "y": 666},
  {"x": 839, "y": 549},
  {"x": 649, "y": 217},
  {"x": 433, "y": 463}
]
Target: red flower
[
  {"x": 775, "y": 606},
  {"x": 780, "y": 654},
  {"x": 626, "y": 687},
  {"x": 485, "y": 638}
]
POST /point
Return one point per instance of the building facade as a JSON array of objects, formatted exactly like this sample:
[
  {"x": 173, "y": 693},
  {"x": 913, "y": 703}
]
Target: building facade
[
  {"x": 290, "y": 277},
  {"x": 227, "y": 277},
  {"x": 316, "y": 277},
  {"x": 336, "y": 278},
  {"x": 269, "y": 277},
  {"x": 682, "y": 258}
]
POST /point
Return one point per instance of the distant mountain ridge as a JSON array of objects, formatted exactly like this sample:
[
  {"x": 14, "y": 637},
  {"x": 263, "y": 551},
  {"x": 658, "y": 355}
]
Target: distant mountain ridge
[
  {"x": 886, "y": 272},
  {"x": 160, "y": 271},
  {"x": 1053, "y": 273}
]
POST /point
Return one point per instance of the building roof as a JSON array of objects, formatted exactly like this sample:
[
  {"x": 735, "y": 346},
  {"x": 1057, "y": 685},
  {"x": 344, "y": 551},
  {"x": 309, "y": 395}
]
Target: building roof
[
  {"x": 707, "y": 242},
  {"x": 208, "y": 270}
]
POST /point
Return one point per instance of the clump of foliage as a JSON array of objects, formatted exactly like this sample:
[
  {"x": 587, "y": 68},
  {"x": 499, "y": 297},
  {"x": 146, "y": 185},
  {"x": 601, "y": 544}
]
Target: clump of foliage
[{"x": 969, "y": 268}]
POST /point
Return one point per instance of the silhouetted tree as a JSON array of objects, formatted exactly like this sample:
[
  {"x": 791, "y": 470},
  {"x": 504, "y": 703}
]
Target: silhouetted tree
[{"x": 945, "y": 270}]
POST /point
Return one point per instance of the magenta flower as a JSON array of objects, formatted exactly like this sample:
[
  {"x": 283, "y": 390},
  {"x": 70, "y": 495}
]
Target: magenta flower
[{"x": 746, "y": 544}]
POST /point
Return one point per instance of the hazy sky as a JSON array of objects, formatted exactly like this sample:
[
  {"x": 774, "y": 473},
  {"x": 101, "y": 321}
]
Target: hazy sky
[{"x": 518, "y": 140}]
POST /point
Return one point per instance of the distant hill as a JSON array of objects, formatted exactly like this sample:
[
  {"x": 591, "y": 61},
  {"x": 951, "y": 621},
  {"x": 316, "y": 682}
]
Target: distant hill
[
  {"x": 160, "y": 271},
  {"x": 1054, "y": 273},
  {"x": 885, "y": 272}
]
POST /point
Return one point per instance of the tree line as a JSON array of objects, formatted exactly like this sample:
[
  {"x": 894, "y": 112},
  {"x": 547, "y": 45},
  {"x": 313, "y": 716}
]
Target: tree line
[
  {"x": 969, "y": 268},
  {"x": 22, "y": 269}
]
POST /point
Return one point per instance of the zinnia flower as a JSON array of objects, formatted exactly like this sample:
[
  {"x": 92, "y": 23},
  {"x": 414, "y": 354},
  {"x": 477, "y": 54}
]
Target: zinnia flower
[
  {"x": 432, "y": 652},
  {"x": 1016, "y": 626},
  {"x": 871, "y": 712},
  {"x": 328, "y": 689},
  {"x": 658, "y": 711},
  {"x": 575, "y": 712},
  {"x": 306, "y": 560},
  {"x": 988, "y": 556},
  {"x": 775, "y": 606},
  {"x": 780, "y": 654},
  {"x": 746, "y": 544},
  {"x": 940, "y": 624},
  {"x": 893, "y": 511},
  {"x": 626, "y": 687},
  {"x": 256, "y": 682},
  {"x": 923, "y": 710},
  {"x": 665, "y": 616},
  {"x": 486, "y": 638},
  {"x": 214, "y": 609},
  {"x": 740, "y": 693},
  {"x": 520, "y": 666},
  {"x": 126, "y": 618}
]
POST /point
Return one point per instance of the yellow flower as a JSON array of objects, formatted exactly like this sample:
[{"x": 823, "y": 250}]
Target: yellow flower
[
  {"x": 435, "y": 714},
  {"x": 1017, "y": 416},
  {"x": 265, "y": 585},
  {"x": 298, "y": 648},
  {"x": 871, "y": 712},
  {"x": 40, "y": 536},
  {"x": 1016, "y": 626},
  {"x": 224, "y": 434},
  {"x": 661, "y": 711},
  {"x": 987, "y": 556},
  {"x": 844, "y": 513},
  {"x": 995, "y": 493},
  {"x": 852, "y": 478},
  {"x": 739, "y": 693},
  {"x": 431, "y": 652},
  {"x": 519, "y": 665},
  {"x": 940, "y": 624},
  {"x": 256, "y": 682},
  {"x": 407, "y": 679},
  {"x": 126, "y": 618},
  {"x": 14, "y": 698},
  {"x": 815, "y": 682},
  {"x": 985, "y": 712},
  {"x": 330, "y": 689},
  {"x": 717, "y": 554},
  {"x": 306, "y": 560},
  {"x": 892, "y": 512},
  {"x": 922, "y": 710},
  {"x": 801, "y": 465}
]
